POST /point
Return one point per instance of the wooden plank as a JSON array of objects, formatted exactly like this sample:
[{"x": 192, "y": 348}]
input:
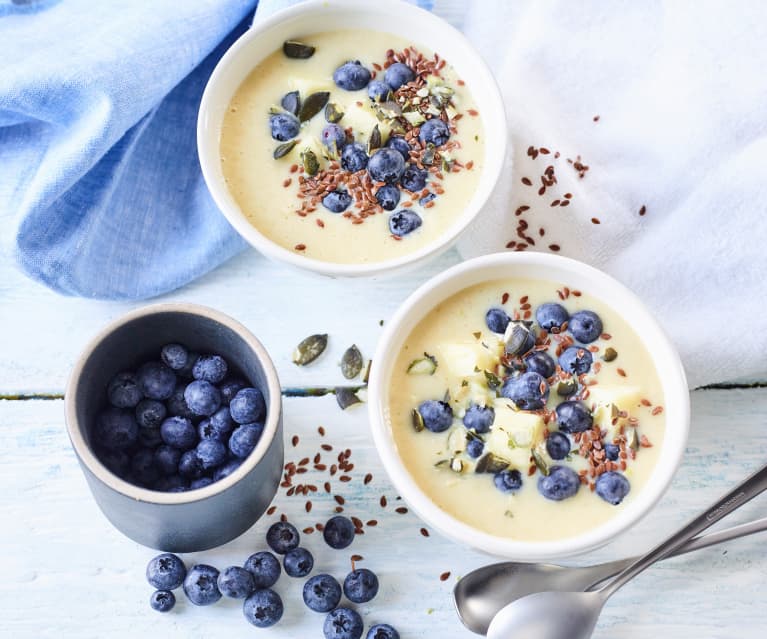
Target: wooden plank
[
  {"x": 67, "y": 572},
  {"x": 41, "y": 333}
]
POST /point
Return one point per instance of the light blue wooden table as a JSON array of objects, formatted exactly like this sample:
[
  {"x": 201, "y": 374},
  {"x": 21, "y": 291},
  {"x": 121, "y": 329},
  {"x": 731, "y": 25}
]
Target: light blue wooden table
[{"x": 67, "y": 573}]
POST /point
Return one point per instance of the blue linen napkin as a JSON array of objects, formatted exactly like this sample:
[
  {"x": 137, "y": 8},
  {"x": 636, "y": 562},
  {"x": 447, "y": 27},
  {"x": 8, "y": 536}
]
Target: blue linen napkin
[{"x": 101, "y": 193}]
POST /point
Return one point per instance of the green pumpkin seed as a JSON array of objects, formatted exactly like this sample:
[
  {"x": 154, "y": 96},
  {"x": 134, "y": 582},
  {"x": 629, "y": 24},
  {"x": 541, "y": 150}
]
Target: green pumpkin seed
[
  {"x": 351, "y": 362},
  {"x": 283, "y": 149},
  {"x": 567, "y": 387},
  {"x": 428, "y": 154},
  {"x": 447, "y": 165},
  {"x": 491, "y": 463},
  {"x": 493, "y": 381},
  {"x": 310, "y": 349},
  {"x": 366, "y": 376},
  {"x": 291, "y": 102},
  {"x": 346, "y": 397},
  {"x": 442, "y": 463},
  {"x": 313, "y": 105},
  {"x": 309, "y": 160},
  {"x": 374, "y": 141},
  {"x": 610, "y": 354},
  {"x": 540, "y": 462},
  {"x": 297, "y": 50},
  {"x": 332, "y": 113},
  {"x": 417, "y": 420},
  {"x": 425, "y": 365}
]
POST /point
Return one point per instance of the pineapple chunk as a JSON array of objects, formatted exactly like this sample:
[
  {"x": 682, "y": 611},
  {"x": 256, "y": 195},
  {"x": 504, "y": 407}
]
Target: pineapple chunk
[
  {"x": 514, "y": 434},
  {"x": 475, "y": 391},
  {"x": 465, "y": 359},
  {"x": 624, "y": 397}
]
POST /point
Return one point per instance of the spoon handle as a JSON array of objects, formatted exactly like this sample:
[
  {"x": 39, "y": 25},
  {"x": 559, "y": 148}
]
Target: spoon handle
[{"x": 734, "y": 499}]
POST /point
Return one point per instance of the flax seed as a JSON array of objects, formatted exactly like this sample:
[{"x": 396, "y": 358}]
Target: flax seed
[
  {"x": 382, "y": 501},
  {"x": 368, "y": 479},
  {"x": 271, "y": 510},
  {"x": 326, "y": 447},
  {"x": 401, "y": 510},
  {"x": 424, "y": 532},
  {"x": 300, "y": 247},
  {"x": 554, "y": 247}
]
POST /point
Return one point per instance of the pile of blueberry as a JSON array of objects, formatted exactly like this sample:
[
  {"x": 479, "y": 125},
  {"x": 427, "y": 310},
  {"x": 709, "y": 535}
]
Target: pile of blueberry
[
  {"x": 390, "y": 165},
  {"x": 179, "y": 423},
  {"x": 527, "y": 386},
  {"x": 262, "y": 606}
]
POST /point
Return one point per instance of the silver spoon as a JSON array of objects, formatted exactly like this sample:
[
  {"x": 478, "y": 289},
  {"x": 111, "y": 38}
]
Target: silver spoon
[
  {"x": 573, "y": 615},
  {"x": 481, "y": 594}
]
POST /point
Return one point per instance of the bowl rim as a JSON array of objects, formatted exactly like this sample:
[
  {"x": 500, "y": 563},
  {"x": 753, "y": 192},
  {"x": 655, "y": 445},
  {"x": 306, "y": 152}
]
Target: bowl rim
[
  {"x": 209, "y": 157},
  {"x": 107, "y": 477},
  {"x": 672, "y": 377}
]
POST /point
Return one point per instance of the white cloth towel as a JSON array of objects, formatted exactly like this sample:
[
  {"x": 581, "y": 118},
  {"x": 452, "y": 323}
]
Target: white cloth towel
[{"x": 680, "y": 91}]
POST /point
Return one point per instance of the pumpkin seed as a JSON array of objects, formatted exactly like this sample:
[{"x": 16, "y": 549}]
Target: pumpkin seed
[
  {"x": 291, "y": 102},
  {"x": 332, "y": 113},
  {"x": 283, "y": 149},
  {"x": 456, "y": 465},
  {"x": 518, "y": 338},
  {"x": 351, "y": 362},
  {"x": 346, "y": 397},
  {"x": 276, "y": 110},
  {"x": 313, "y": 105},
  {"x": 417, "y": 420},
  {"x": 374, "y": 141},
  {"x": 309, "y": 160},
  {"x": 610, "y": 354},
  {"x": 567, "y": 387},
  {"x": 508, "y": 513},
  {"x": 414, "y": 118},
  {"x": 425, "y": 365},
  {"x": 447, "y": 165},
  {"x": 633, "y": 439},
  {"x": 297, "y": 50},
  {"x": 493, "y": 381},
  {"x": 366, "y": 376},
  {"x": 428, "y": 154},
  {"x": 310, "y": 349},
  {"x": 442, "y": 463},
  {"x": 540, "y": 462},
  {"x": 491, "y": 463}
]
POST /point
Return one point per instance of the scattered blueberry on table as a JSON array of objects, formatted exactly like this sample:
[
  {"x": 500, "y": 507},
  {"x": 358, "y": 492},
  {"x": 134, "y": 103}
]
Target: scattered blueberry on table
[
  {"x": 264, "y": 567},
  {"x": 343, "y": 623},
  {"x": 298, "y": 562},
  {"x": 282, "y": 537},
  {"x": 263, "y": 608},
  {"x": 322, "y": 593},
  {"x": 361, "y": 585},
  {"x": 236, "y": 582},
  {"x": 338, "y": 532},
  {"x": 201, "y": 585},
  {"x": 162, "y": 600}
]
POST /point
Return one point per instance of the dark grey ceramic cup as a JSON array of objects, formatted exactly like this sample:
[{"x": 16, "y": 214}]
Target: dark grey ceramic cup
[{"x": 197, "y": 519}]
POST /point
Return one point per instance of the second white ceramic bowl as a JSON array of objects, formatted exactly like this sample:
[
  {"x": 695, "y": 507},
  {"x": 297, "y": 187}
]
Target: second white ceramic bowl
[
  {"x": 314, "y": 16},
  {"x": 538, "y": 266}
]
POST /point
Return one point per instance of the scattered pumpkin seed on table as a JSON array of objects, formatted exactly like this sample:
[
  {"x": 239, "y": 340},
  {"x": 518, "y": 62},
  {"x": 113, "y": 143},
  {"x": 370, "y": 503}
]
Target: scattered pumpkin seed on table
[
  {"x": 310, "y": 349},
  {"x": 351, "y": 362}
]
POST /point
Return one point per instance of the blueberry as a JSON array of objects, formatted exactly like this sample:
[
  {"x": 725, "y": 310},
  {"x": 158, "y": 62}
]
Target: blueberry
[
  {"x": 264, "y": 567},
  {"x": 398, "y": 143},
  {"x": 202, "y": 397},
  {"x": 210, "y": 368},
  {"x": 322, "y": 593},
  {"x": 298, "y": 562},
  {"x": 178, "y": 432},
  {"x": 398, "y": 74},
  {"x": 573, "y": 417},
  {"x": 165, "y": 571},
  {"x": 115, "y": 460},
  {"x": 338, "y": 532},
  {"x": 558, "y": 445},
  {"x": 116, "y": 429},
  {"x": 427, "y": 198},
  {"x": 236, "y": 582},
  {"x": 143, "y": 467},
  {"x": 177, "y": 405},
  {"x": 497, "y": 320},
  {"x": 217, "y": 426},
  {"x": 149, "y": 437},
  {"x": 150, "y": 413},
  {"x": 413, "y": 179},
  {"x": 156, "y": 380},
  {"x": 551, "y": 315},
  {"x": 162, "y": 600},
  {"x": 612, "y": 487},
  {"x": 585, "y": 326},
  {"x": 559, "y": 484},
  {"x": 576, "y": 360},
  {"x": 435, "y": 132},
  {"x": 474, "y": 448},
  {"x": 351, "y": 76},
  {"x": 230, "y": 387},
  {"x": 525, "y": 391},
  {"x": 386, "y": 165},
  {"x": 612, "y": 452},
  {"x": 247, "y": 406},
  {"x": 282, "y": 537},
  {"x": 244, "y": 439},
  {"x": 334, "y": 138},
  {"x": 201, "y": 585},
  {"x": 190, "y": 465},
  {"x": 284, "y": 126},
  {"x": 382, "y": 631},
  {"x": 342, "y": 623},
  {"x": 361, "y": 585},
  {"x": 437, "y": 416},
  {"x": 211, "y": 453},
  {"x": 123, "y": 391},
  {"x": 354, "y": 158},
  {"x": 541, "y": 363},
  {"x": 174, "y": 356},
  {"x": 480, "y": 418},
  {"x": 337, "y": 201},
  {"x": 201, "y": 482},
  {"x": 171, "y": 484},
  {"x": 378, "y": 91},
  {"x": 263, "y": 608},
  {"x": 403, "y": 222},
  {"x": 508, "y": 481},
  {"x": 186, "y": 372},
  {"x": 388, "y": 197},
  {"x": 227, "y": 469}
]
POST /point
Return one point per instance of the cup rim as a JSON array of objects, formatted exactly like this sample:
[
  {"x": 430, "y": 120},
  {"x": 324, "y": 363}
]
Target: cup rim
[
  {"x": 104, "y": 475},
  {"x": 673, "y": 380},
  {"x": 209, "y": 157}
]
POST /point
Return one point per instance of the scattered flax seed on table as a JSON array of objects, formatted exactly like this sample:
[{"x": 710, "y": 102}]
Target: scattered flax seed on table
[
  {"x": 424, "y": 532},
  {"x": 444, "y": 576},
  {"x": 643, "y": 210}
]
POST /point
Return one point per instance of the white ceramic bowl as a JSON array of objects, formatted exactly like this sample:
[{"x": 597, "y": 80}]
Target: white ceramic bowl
[
  {"x": 303, "y": 19},
  {"x": 557, "y": 269}
]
